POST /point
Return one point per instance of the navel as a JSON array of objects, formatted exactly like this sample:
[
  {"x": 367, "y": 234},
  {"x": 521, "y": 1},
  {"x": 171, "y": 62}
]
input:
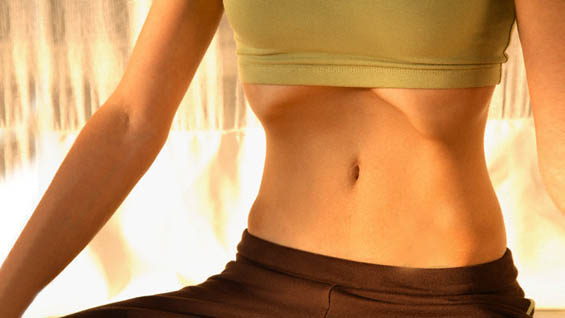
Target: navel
[{"x": 355, "y": 171}]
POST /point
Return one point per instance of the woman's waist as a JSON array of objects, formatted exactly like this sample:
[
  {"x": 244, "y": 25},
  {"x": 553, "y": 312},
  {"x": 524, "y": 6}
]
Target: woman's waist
[
  {"x": 360, "y": 185},
  {"x": 435, "y": 227}
]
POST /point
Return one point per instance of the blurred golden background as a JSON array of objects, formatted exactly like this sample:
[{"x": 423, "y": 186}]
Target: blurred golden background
[{"x": 61, "y": 59}]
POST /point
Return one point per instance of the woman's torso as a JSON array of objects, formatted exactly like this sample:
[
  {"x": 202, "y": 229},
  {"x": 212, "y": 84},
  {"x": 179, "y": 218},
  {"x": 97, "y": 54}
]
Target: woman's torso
[{"x": 385, "y": 175}]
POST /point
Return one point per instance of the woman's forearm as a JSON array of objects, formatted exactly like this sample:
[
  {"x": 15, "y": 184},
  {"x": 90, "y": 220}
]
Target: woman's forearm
[
  {"x": 553, "y": 177},
  {"x": 550, "y": 143},
  {"x": 105, "y": 162}
]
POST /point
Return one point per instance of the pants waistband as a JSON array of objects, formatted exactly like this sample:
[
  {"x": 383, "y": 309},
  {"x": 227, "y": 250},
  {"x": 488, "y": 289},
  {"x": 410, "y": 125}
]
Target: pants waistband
[{"x": 496, "y": 276}]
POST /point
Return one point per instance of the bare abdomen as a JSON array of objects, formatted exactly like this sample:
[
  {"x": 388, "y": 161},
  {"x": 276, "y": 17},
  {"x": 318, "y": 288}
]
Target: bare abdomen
[{"x": 354, "y": 179}]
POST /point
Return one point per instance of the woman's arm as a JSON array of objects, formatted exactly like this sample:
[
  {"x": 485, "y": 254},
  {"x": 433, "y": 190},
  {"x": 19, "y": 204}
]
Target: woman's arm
[
  {"x": 104, "y": 163},
  {"x": 113, "y": 150},
  {"x": 541, "y": 28}
]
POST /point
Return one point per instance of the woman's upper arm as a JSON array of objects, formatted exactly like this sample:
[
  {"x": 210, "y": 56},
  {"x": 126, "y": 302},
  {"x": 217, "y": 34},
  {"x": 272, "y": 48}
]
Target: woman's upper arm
[
  {"x": 541, "y": 27},
  {"x": 166, "y": 55}
]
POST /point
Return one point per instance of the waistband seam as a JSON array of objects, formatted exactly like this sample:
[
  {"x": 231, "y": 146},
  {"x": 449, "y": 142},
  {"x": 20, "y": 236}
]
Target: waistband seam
[{"x": 329, "y": 300}]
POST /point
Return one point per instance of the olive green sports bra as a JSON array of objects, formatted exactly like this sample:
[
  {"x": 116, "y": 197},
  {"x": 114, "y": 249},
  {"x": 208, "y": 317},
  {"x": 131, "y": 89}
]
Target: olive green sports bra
[{"x": 371, "y": 43}]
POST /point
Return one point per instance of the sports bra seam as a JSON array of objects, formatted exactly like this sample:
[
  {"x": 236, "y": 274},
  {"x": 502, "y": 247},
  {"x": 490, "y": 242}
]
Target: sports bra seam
[{"x": 290, "y": 66}]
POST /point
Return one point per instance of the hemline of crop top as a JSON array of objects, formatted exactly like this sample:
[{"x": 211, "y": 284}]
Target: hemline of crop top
[
  {"x": 369, "y": 75},
  {"x": 371, "y": 43}
]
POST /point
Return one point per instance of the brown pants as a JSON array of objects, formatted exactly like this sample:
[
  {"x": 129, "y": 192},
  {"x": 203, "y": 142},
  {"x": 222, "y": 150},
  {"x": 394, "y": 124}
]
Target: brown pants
[{"x": 270, "y": 280}]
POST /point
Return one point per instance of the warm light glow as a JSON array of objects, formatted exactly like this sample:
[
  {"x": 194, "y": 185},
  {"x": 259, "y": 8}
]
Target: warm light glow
[{"x": 183, "y": 220}]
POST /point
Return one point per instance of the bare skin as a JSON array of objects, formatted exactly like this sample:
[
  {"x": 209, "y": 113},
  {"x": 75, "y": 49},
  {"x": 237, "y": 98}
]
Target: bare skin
[{"x": 378, "y": 175}]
